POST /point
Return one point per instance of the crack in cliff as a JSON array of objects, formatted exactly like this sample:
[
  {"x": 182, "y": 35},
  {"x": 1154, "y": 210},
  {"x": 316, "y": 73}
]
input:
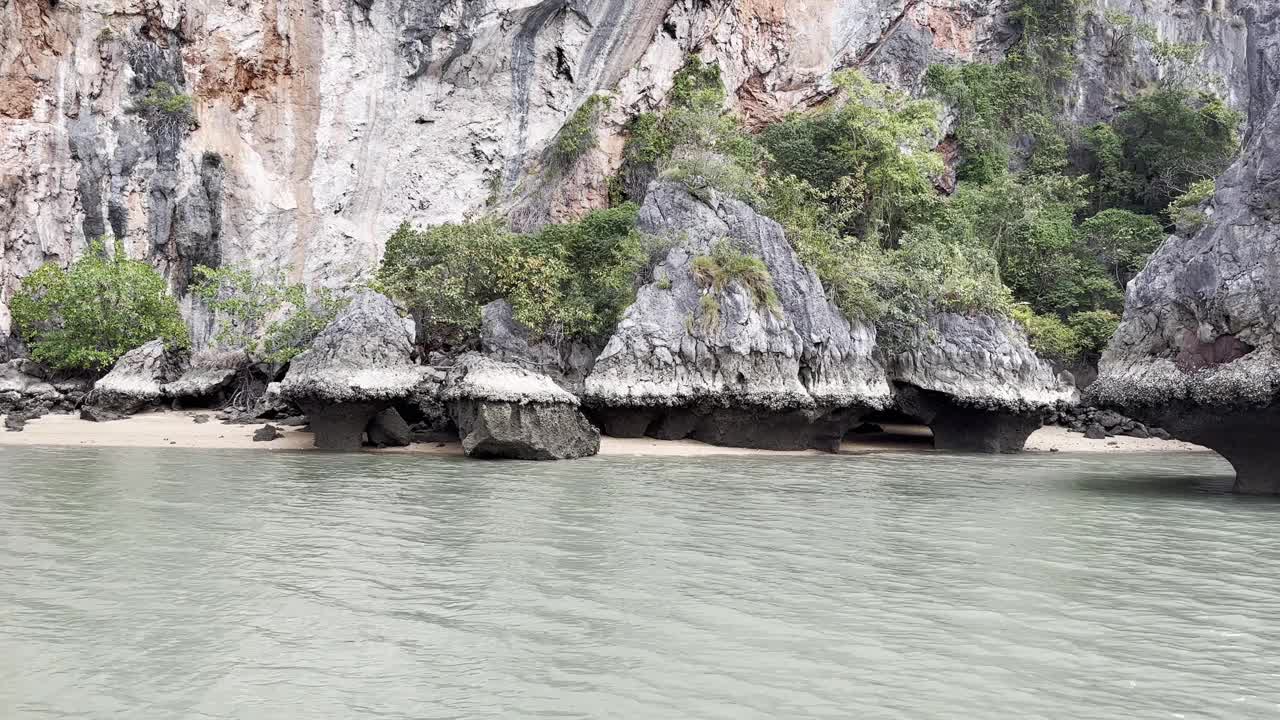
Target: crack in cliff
[{"x": 869, "y": 53}]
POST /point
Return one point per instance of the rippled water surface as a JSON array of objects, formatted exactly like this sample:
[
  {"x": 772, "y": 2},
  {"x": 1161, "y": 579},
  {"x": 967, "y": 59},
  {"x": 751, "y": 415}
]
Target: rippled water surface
[{"x": 184, "y": 584}]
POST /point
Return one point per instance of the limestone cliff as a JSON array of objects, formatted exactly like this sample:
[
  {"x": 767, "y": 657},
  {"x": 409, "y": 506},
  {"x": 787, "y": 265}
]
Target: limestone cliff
[
  {"x": 314, "y": 128},
  {"x": 1197, "y": 351}
]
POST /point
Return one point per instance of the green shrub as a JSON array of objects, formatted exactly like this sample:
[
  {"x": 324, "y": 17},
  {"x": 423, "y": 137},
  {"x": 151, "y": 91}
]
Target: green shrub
[
  {"x": 570, "y": 280},
  {"x": 1016, "y": 98},
  {"x": 164, "y": 105},
  {"x": 579, "y": 134},
  {"x": 701, "y": 171},
  {"x": 708, "y": 314},
  {"x": 1051, "y": 338},
  {"x": 1082, "y": 338},
  {"x": 694, "y": 139},
  {"x": 87, "y": 316},
  {"x": 268, "y": 318},
  {"x": 726, "y": 266},
  {"x": 1094, "y": 330},
  {"x": 1185, "y": 212}
]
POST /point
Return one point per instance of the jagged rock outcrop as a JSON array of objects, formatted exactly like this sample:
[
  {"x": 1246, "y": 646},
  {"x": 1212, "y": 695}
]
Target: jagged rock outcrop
[
  {"x": 976, "y": 382},
  {"x": 357, "y": 367},
  {"x": 1198, "y": 350},
  {"x": 692, "y": 361},
  {"x": 139, "y": 377},
  {"x": 505, "y": 411}
]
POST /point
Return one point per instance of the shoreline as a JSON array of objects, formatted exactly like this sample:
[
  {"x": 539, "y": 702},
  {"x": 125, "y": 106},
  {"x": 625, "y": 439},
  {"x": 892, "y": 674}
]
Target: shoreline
[{"x": 179, "y": 429}]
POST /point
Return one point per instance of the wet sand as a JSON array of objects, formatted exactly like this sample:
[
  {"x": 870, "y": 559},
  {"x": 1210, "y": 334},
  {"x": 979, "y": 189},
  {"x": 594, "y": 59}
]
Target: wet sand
[{"x": 179, "y": 429}]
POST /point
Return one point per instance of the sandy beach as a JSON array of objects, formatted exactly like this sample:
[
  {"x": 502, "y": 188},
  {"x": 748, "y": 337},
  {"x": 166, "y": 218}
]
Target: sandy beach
[{"x": 179, "y": 429}]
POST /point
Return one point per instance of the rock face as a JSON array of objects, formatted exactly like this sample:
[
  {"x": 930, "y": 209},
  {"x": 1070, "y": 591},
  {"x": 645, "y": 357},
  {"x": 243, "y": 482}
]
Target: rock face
[
  {"x": 311, "y": 123},
  {"x": 505, "y": 411},
  {"x": 357, "y": 367},
  {"x": 23, "y": 387},
  {"x": 138, "y": 379},
  {"x": 209, "y": 375},
  {"x": 688, "y": 360},
  {"x": 976, "y": 382},
  {"x": 1198, "y": 351},
  {"x": 388, "y": 429},
  {"x": 505, "y": 339}
]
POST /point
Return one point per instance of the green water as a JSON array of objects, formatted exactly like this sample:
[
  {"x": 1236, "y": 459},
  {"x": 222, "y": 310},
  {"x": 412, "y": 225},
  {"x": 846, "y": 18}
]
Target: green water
[{"x": 186, "y": 584}]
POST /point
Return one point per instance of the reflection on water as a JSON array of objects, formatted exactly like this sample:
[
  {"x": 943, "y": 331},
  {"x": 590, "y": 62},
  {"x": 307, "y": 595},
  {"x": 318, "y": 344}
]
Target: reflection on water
[{"x": 184, "y": 584}]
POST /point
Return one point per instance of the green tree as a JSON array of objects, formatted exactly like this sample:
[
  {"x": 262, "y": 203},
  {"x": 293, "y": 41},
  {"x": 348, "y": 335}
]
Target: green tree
[
  {"x": 1173, "y": 138},
  {"x": 872, "y": 154},
  {"x": 102, "y": 306},
  {"x": 1122, "y": 240}
]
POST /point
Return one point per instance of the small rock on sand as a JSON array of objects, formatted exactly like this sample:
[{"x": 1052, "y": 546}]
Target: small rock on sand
[{"x": 267, "y": 433}]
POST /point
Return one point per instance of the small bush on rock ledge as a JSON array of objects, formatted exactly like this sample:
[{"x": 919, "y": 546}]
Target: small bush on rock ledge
[
  {"x": 726, "y": 266},
  {"x": 104, "y": 305}
]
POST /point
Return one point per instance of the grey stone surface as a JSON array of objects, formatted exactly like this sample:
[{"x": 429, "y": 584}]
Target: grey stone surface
[
  {"x": 980, "y": 361},
  {"x": 11, "y": 348},
  {"x": 138, "y": 379},
  {"x": 505, "y": 411},
  {"x": 388, "y": 429},
  {"x": 267, "y": 433},
  {"x": 1197, "y": 351},
  {"x": 975, "y": 380},
  {"x": 99, "y": 414},
  {"x": 208, "y": 376},
  {"x": 503, "y": 338},
  {"x": 667, "y": 353},
  {"x": 356, "y": 367}
]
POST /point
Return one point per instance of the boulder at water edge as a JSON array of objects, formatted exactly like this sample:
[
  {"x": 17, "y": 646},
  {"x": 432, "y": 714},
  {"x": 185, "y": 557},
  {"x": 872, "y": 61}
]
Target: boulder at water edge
[
  {"x": 1198, "y": 350},
  {"x": 357, "y": 367},
  {"x": 689, "y": 360},
  {"x": 976, "y": 382},
  {"x": 505, "y": 411}
]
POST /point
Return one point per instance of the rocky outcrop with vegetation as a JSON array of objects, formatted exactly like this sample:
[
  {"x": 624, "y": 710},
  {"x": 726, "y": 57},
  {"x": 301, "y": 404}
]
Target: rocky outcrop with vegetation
[
  {"x": 731, "y": 326},
  {"x": 745, "y": 222},
  {"x": 1197, "y": 352},
  {"x": 357, "y": 367},
  {"x": 504, "y": 411}
]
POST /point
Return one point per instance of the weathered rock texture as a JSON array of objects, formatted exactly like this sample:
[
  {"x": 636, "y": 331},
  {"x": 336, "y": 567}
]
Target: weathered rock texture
[
  {"x": 505, "y": 411},
  {"x": 674, "y": 368},
  {"x": 505, "y": 339},
  {"x": 138, "y": 379},
  {"x": 976, "y": 382},
  {"x": 1198, "y": 350},
  {"x": 356, "y": 368},
  {"x": 317, "y": 128},
  {"x": 208, "y": 377}
]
